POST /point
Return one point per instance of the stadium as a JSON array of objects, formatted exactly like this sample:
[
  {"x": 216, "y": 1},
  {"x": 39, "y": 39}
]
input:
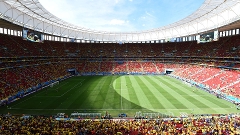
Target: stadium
[{"x": 64, "y": 79}]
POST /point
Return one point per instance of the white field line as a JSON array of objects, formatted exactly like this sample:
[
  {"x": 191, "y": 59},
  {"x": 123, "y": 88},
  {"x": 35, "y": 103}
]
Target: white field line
[
  {"x": 58, "y": 86},
  {"x": 122, "y": 109},
  {"x": 121, "y": 97},
  {"x": 32, "y": 97},
  {"x": 196, "y": 95},
  {"x": 48, "y": 96},
  {"x": 63, "y": 93},
  {"x": 71, "y": 88}
]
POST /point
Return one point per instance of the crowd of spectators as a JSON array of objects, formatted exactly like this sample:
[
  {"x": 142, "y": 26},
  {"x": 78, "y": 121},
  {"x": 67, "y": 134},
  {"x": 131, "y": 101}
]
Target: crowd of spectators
[
  {"x": 22, "y": 66},
  {"x": 16, "y": 79},
  {"x": 226, "y": 81},
  {"x": 13, "y": 46},
  {"x": 48, "y": 125}
]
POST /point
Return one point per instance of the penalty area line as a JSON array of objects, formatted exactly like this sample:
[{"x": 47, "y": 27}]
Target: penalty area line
[{"x": 10, "y": 108}]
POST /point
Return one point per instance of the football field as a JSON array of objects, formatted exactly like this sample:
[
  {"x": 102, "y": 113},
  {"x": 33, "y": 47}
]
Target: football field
[{"x": 121, "y": 94}]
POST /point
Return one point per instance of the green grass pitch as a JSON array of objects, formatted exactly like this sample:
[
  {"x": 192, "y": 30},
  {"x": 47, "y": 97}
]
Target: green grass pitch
[{"x": 120, "y": 94}]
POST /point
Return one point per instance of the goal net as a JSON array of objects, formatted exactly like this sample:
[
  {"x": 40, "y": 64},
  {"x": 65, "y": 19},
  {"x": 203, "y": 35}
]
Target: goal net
[{"x": 54, "y": 83}]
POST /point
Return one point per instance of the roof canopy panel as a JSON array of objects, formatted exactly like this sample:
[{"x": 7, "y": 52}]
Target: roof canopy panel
[{"x": 211, "y": 15}]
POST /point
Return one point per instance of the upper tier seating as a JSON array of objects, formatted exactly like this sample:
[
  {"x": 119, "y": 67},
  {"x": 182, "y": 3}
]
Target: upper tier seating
[{"x": 12, "y": 46}]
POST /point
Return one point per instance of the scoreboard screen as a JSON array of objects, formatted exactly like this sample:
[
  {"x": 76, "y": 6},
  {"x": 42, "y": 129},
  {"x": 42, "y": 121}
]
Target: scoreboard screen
[
  {"x": 32, "y": 36},
  {"x": 207, "y": 37}
]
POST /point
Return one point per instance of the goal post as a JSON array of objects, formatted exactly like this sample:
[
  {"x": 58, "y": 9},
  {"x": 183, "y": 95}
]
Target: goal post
[{"x": 54, "y": 83}]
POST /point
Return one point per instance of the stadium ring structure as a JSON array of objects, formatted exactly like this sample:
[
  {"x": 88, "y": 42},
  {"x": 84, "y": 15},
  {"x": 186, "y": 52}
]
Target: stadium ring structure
[{"x": 221, "y": 15}]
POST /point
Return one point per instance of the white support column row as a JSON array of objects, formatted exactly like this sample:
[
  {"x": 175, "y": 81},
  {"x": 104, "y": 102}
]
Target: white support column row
[{"x": 209, "y": 19}]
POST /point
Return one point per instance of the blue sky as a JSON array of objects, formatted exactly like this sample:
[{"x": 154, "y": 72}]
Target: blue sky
[{"x": 121, "y": 15}]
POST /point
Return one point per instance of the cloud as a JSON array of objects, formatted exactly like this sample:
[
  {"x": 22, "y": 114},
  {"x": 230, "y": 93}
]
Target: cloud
[
  {"x": 150, "y": 15},
  {"x": 117, "y": 15},
  {"x": 117, "y": 22},
  {"x": 90, "y": 14},
  {"x": 116, "y": 1}
]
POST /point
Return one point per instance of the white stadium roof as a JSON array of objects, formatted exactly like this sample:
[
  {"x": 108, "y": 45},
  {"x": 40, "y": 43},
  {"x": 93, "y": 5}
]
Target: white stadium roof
[{"x": 212, "y": 15}]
